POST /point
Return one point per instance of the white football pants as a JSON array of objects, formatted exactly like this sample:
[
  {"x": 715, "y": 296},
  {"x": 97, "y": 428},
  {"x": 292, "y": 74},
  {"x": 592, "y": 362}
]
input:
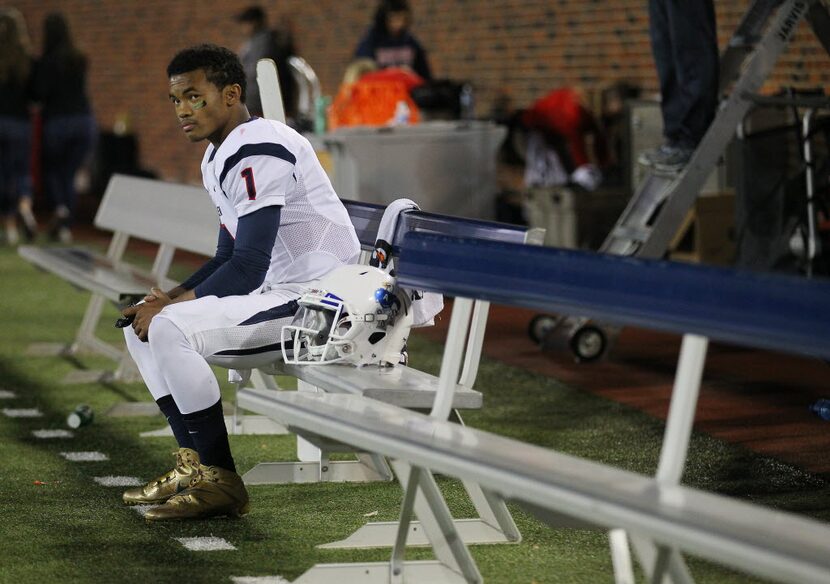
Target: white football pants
[{"x": 236, "y": 332}]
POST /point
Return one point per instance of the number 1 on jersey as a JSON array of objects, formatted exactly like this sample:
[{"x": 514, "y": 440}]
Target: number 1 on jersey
[{"x": 248, "y": 175}]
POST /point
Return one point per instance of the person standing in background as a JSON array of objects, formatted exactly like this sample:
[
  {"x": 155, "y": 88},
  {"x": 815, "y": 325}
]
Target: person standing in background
[
  {"x": 684, "y": 40},
  {"x": 390, "y": 44},
  {"x": 263, "y": 42},
  {"x": 15, "y": 126},
  {"x": 68, "y": 124}
]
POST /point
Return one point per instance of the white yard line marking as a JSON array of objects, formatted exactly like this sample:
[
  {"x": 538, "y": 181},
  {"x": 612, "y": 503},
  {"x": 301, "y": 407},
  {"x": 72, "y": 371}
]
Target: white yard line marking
[
  {"x": 204, "y": 544},
  {"x": 6, "y": 394},
  {"x": 46, "y": 434},
  {"x": 142, "y": 509},
  {"x": 85, "y": 456},
  {"x": 113, "y": 481},
  {"x": 259, "y": 580},
  {"x": 22, "y": 413}
]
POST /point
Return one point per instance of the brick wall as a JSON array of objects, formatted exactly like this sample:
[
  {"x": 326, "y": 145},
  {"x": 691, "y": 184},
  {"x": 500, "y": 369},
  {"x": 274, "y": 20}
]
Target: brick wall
[{"x": 519, "y": 47}]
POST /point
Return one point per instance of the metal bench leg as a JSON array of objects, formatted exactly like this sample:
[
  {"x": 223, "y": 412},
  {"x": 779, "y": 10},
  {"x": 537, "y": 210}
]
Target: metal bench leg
[
  {"x": 86, "y": 333},
  {"x": 85, "y": 340},
  {"x": 262, "y": 380},
  {"x": 494, "y": 525},
  {"x": 314, "y": 465},
  {"x": 248, "y": 424},
  {"x": 127, "y": 370},
  {"x": 660, "y": 565},
  {"x": 436, "y": 521},
  {"x": 454, "y": 564},
  {"x": 660, "y": 561},
  {"x": 621, "y": 557}
]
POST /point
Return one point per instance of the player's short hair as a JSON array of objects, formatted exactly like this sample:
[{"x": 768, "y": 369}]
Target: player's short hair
[{"x": 221, "y": 66}]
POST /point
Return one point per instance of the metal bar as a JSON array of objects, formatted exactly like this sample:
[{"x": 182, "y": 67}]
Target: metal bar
[
  {"x": 162, "y": 261},
  {"x": 493, "y": 510},
  {"x": 711, "y": 526},
  {"x": 676, "y": 440},
  {"x": 269, "y": 90},
  {"x": 728, "y": 305},
  {"x": 744, "y": 38},
  {"x": 451, "y": 361},
  {"x": 438, "y": 524},
  {"x": 95, "y": 345},
  {"x": 117, "y": 245},
  {"x": 810, "y": 248},
  {"x": 127, "y": 370},
  {"x": 646, "y": 552},
  {"x": 410, "y": 489},
  {"x": 620, "y": 557},
  {"x": 682, "y": 409},
  {"x": 661, "y": 565},
  {"x": 86, "y": 332},
  {"x": 475, "y": 341}
]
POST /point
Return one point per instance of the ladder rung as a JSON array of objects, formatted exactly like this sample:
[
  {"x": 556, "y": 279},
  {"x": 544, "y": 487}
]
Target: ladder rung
[
  {"x": 744, "y": 42},
  {"x": 631, "y": 233}
]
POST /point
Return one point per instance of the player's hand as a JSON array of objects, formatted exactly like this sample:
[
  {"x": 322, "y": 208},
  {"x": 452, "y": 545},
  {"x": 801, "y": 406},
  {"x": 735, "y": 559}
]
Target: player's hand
[{"x": 144, "y": 313}]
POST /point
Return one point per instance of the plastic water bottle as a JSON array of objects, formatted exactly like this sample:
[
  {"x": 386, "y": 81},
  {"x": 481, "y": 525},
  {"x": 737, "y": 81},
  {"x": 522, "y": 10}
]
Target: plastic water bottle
[
  {"x": 467, "y": 102},
  {"x": 401, "y": 115},
  {"x": 321, "y": 105},
  {"x": 822, "y": 409}
]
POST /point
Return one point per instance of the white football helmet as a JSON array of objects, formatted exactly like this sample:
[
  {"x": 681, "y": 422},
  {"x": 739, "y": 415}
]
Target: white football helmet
[{"x": 357, "y": 314}]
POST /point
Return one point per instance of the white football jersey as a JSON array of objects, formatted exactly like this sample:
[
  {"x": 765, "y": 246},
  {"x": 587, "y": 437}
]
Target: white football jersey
[{"x": 264, "y": 162}]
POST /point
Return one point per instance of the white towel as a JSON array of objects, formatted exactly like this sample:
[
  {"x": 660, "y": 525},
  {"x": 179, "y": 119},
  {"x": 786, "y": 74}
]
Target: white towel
[{"x": 425, "y": 305}]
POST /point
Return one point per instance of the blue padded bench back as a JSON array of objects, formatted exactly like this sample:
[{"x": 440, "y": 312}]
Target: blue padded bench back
[
  {"x": 366, "y": 219},
  {"x": 770, "y": 311}
]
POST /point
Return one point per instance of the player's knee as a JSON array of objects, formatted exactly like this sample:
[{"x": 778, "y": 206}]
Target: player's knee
[
  {"x": 131, "y": 339},
  {"x": 164, "y": 335}
]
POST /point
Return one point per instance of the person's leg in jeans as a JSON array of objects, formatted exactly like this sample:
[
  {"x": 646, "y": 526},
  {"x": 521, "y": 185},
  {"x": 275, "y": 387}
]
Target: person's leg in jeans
[
  {"x": 54, "y": 140},
  {"x": 23, "y": 177},
  {"x": 684, "y": 44},
  {"x": 663, "y": 51},
  {"x": 6, "y": 174},
  {"x": 695, "y": 55},
  {"x": 67, "y": 142},
  {"x": 79, "y": 141}
]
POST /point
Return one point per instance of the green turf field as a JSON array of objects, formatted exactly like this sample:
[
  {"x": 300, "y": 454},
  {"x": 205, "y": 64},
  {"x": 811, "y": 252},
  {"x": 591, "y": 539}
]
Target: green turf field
[{"x": 70, "y": 529}]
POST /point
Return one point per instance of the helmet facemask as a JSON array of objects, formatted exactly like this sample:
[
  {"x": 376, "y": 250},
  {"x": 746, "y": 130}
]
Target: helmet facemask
[{"x": 360, "y": 317}]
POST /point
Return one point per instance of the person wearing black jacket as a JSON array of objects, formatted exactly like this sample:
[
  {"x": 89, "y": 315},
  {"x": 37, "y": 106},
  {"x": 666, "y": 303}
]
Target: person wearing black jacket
[
  {"x": 684, "y": 41},
  {"x": 68, "y": 123},
  {"x": 15, "y": 126},
  {"x": 263, "y": 42},
  {"x": 390, "y": 44}
]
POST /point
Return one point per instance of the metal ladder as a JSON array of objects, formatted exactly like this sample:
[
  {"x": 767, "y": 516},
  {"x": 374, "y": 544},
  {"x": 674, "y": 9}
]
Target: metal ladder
[{"x": 658, "y": 208}]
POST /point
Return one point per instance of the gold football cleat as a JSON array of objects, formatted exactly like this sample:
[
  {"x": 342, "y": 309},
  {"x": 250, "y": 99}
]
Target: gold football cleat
[
  {"x": 214, "y": 491},
  {"x": 162, "y": 488}
]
